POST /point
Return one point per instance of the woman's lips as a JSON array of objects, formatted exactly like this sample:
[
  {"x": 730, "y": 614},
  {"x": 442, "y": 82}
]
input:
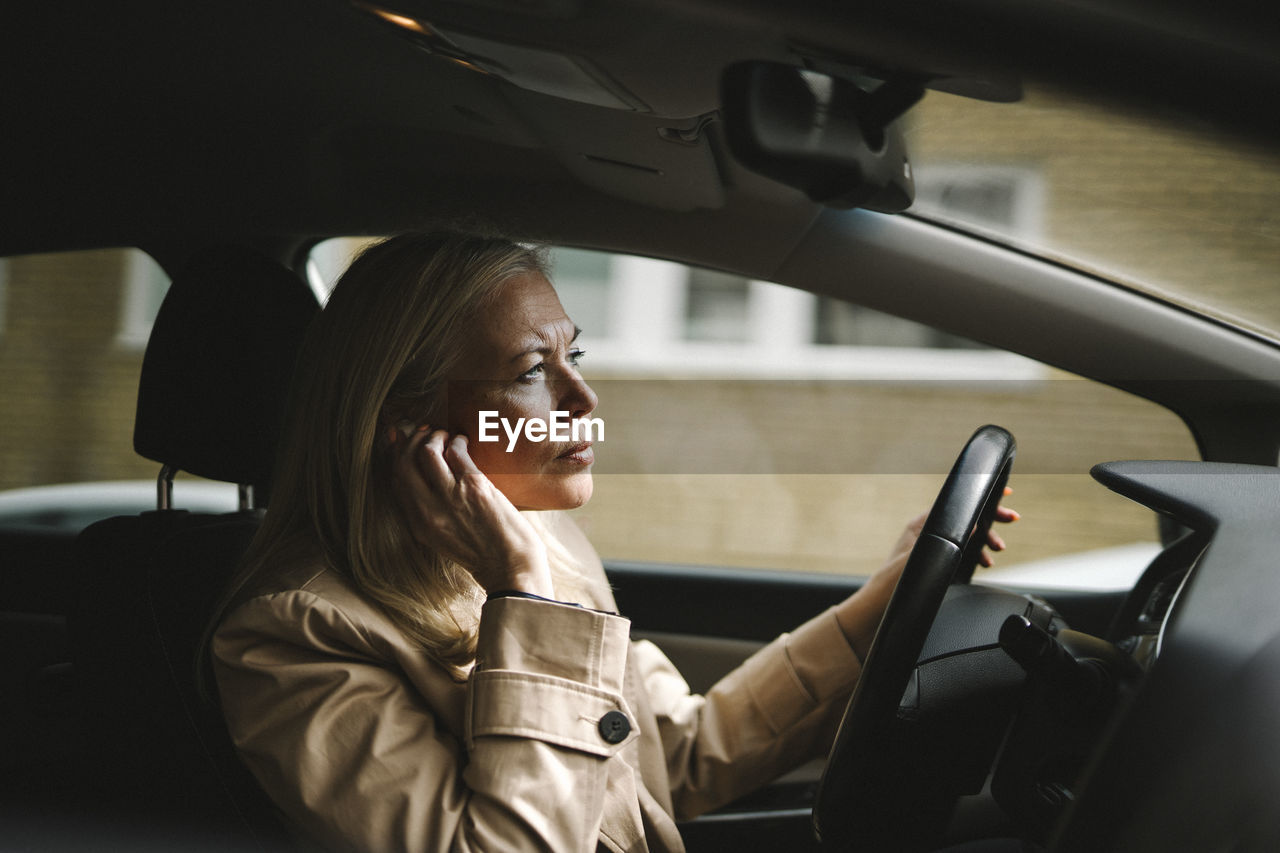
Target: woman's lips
[{"x": 581, "y": 454}]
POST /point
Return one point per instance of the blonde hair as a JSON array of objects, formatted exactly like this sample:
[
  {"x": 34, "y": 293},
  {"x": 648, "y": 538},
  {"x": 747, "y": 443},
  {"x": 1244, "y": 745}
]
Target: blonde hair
[{"x": 378, "y": 355}]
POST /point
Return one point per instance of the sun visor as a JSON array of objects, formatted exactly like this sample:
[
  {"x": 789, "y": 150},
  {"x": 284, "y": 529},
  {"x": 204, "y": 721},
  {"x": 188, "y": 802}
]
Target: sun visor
[{"x": 663, "y": 163}]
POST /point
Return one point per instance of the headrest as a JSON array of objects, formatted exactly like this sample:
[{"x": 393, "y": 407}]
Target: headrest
[{"x": 218, "y": 365}]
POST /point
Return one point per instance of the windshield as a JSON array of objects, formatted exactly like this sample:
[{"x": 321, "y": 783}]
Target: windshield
[{"x": 1171, "y": 210}]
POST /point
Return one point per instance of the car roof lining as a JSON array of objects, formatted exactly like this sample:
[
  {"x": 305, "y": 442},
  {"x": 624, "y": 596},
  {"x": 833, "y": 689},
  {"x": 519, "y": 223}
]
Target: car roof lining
[{"x": 229, "y": 118}]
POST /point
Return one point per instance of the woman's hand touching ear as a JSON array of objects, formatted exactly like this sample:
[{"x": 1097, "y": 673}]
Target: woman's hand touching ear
[{"x": 451, "y": 507}]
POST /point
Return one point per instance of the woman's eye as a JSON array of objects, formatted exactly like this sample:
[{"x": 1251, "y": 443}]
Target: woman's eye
[{"x": 538, "y": 370}]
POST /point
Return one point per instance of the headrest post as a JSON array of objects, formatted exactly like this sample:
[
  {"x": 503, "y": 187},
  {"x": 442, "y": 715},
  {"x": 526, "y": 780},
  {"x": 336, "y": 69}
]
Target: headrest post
[
  {"x": 164, "y": 487},
  {"x": 246, "y": 497}
]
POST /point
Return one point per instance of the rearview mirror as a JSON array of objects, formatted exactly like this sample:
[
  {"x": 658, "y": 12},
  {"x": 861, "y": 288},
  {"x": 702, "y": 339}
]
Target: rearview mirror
[{"x": 839, "y": 143}]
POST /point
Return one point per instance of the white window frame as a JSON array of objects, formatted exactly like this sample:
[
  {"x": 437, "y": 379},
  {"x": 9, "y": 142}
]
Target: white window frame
[{"x": 136, "y": 298}]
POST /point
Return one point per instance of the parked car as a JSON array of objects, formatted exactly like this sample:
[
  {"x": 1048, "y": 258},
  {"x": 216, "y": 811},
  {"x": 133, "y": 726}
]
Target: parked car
[{"x": 789, "y": 354}]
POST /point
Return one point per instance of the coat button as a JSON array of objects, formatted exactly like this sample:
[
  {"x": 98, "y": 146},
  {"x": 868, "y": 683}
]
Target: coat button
[{"x": 614, "y": 727}]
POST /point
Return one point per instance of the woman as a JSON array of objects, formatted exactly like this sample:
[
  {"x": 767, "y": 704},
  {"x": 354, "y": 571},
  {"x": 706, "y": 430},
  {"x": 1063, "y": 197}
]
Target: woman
[{"x": 417, "y": 658}]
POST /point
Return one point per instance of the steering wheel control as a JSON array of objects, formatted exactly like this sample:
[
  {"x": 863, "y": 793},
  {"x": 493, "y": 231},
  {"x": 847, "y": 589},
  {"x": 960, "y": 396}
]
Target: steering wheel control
[
  {"x": 1073, "y": 683},
  {"x": 1037, "y": 651}
]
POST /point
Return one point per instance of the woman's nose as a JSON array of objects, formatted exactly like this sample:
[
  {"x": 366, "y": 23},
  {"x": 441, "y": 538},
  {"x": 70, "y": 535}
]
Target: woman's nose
[{"x": 577, "y": 398}]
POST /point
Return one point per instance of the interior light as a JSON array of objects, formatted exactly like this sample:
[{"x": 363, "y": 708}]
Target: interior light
[
  {"x": 402, "y": 21},
  {"x": 471, "y": 66},
  {"x": 426, "y": 38}
]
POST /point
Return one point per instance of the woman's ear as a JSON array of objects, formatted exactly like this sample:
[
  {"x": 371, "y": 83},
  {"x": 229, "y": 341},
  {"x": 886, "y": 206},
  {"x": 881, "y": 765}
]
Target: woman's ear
[{"x": 389, "y": 420}]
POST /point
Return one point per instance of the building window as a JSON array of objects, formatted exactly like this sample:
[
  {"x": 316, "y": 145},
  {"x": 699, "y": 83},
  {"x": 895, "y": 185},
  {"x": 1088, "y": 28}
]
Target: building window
[
  {"x": 578, "y": 275},
  {"x": 716, "y": 307},
  {"x": 1006, "y": 200}
]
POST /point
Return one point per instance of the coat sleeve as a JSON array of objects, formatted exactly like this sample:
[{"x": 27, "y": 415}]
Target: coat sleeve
[
  {"x": 359, "y": 758},
  {"x": 777, "y": 710}
]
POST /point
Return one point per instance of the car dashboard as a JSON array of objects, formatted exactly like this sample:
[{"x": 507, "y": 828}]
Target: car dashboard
[{"x": 1201, "y": 625}]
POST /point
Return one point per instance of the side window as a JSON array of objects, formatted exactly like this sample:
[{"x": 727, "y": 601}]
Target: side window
[{"x": 751, "y": 425}]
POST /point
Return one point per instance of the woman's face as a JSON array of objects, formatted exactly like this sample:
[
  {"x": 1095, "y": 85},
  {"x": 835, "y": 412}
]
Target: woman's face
[{"x": 520, "y": 361}]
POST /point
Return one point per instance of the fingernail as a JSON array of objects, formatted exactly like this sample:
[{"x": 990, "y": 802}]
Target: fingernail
[{"x": 1008, "y": 491}]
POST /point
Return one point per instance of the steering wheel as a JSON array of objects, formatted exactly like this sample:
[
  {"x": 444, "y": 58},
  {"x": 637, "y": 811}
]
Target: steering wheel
[{"x": 865, "y": 779}]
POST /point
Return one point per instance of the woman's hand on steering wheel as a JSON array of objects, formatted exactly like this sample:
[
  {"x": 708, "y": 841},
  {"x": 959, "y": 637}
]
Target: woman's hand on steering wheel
[
  {"x": 860, "y": 614},
  {"x": 451, "y": 507},
  {"x": 1004, "y": 515}
]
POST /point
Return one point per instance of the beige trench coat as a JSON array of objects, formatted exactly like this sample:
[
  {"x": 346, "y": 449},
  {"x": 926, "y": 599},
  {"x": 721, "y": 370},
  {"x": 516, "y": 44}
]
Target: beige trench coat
[{"x": 365, "y": 744}]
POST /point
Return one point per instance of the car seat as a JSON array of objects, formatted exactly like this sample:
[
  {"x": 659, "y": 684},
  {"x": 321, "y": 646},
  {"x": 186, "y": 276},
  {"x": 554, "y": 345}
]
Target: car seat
[{"x": 161, "y": 768}]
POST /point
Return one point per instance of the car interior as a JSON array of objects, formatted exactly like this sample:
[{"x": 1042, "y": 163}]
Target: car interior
[{"x": 772, "y": 142}]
